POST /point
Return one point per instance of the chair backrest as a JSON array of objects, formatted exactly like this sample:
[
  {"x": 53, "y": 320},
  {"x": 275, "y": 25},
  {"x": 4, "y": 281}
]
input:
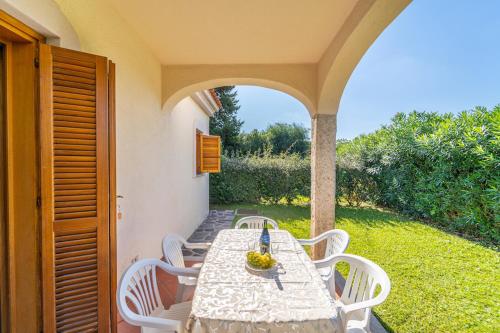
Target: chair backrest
[
  {"x": 363, "y": 279},
  {"x": 138, "y": 286},
  {"x": 256, "y": 222},
  {"x": 172, "y": 250},
  {"x": 336, "y": 242}
]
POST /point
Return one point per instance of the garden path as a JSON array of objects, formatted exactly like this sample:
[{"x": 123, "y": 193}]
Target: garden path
[{"x": 216, "y": 221}]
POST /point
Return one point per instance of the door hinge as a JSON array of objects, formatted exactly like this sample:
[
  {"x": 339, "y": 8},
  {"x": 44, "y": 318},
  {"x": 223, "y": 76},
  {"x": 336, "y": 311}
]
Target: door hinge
[{"x": 37, "y": 62}]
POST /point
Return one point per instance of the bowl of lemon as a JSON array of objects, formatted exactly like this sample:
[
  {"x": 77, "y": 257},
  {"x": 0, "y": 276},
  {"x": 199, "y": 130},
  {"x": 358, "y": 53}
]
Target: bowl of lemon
[{"x": 257, "y": 262}]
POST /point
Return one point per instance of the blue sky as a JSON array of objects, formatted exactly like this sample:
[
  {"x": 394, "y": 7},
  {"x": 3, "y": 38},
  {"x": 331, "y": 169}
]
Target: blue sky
[{"x": 439, "y": 56}]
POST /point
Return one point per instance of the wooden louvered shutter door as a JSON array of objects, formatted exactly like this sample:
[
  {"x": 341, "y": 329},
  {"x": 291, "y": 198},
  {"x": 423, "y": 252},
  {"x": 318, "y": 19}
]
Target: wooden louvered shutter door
[{"x": 75, "y": 191}]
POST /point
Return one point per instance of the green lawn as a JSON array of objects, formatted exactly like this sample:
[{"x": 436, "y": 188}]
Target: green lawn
[{"x": 440, "y": 282}]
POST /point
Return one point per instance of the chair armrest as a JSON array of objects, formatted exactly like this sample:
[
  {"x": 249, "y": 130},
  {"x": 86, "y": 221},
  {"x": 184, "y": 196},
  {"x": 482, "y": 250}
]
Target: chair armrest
[
  {"x": 328, "y": 261},
  {"x": 205, "y": 246},
  {"x": 314, "y": 240},
  {"x": 346, "y": 310},
  {"x": 178, "y": 271},
  {"x": 155, "y": 322},
  {"x": 306, "y": 241}
]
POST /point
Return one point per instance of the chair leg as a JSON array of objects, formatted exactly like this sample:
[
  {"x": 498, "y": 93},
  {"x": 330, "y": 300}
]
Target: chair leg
[{"x": 180, "y": 293}]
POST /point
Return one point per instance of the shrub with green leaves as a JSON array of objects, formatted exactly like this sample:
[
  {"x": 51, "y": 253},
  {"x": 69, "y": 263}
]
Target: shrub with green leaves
[
  {"x": 253, "y": 178},
  {"x": 444, "y": 168},
  {"x": 437, "y": 167}
]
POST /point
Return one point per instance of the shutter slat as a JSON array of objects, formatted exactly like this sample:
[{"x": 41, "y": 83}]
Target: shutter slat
[
  {"x": 74, "y": 67},
  {"x": 73, "y": 119},
  {"x": 63, "y": 175},
  {"x": 75, "y": 214},
  {"x": 72, "y": 270},
  {"x": 61, "y": 194},
  {"x": 74, "y": 101},
  {"x": 82, "y": 142},
  {"x": 59, "y": 58},
  {"x": 74, "y": 113},
  {"x": 74, "y": 288},
  {"x": 69, "y": 279},
  {"x": 71, "y": 106},
  {"x": 83, "y": 318},
  {"x": 77, "y": 290},
  {"x": 66, "y": 152},
  {"x": 75, "y": 281},
  {"x": 69, "y": 253},
  {"x": 74, "y": 136},
  {"x": 76, "y": 169},
  {"x": 74, "y": 159},
  {"x": 81, "y": 92},
  {"x": 76, "y": 186},
  {"x": 83, "y": 311},
  {"x": 75, "y": 306},
  {"x": 74, "y": 123},
  {"x": 74, "y": 209},
  {"x": 74, "y": 72},
  {"x": 70, "y": 181},
  {"x": 76, "y": 197},
  {"x": 71, "y": 78},
  {"x": 74, "y": 130},
  {"x": 70, "y": 249},
  {"x": 89, "y": 328},
  {"x": 70, "y": 84}
]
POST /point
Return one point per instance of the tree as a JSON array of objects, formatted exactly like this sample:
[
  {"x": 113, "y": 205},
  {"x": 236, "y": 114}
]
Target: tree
[
  {"x": 277, "y": 138},
  {"x": 290, "y": 138},
  {"x": 225, "y": 122},
  {"x": 253, "y": 142}
]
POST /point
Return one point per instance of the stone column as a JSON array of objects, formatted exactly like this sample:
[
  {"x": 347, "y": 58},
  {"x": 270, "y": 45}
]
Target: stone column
[{"x": 323, "y": 142}]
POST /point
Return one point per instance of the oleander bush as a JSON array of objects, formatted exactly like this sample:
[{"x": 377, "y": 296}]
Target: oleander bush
[{"x": 439, "y": 167}]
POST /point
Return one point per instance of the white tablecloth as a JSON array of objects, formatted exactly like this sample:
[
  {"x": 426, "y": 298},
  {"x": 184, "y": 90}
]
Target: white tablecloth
[{"x": 228, "y": 298}]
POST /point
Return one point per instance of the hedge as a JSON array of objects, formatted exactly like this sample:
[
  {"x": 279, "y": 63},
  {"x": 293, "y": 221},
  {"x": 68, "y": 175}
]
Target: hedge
[
  {"x": 253, "y": 178},
  {"x": 437, "y": 167}
]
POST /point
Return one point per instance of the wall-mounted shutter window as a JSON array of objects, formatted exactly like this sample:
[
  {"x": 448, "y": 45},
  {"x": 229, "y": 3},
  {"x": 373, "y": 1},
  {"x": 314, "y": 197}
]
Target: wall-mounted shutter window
[
  {"x": 198, "y": 151},
  {"x": 75, "y": 191},
  {"x": 210, "y": 153}
]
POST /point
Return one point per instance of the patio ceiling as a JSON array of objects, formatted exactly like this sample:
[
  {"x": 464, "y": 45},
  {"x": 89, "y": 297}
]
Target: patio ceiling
[
  {"x": 307, "y": 49},
  {"x": 236, "y": 32}
]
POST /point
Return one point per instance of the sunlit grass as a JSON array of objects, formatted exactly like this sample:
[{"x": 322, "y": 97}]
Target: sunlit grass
[{"x": 440, "y": 282}]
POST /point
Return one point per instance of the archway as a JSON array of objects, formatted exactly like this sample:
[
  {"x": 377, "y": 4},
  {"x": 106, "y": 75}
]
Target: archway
[{"x": 298, "y": 81}]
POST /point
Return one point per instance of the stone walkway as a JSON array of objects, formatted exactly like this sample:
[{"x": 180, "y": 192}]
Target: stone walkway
[{"x": 216, "y": 221}]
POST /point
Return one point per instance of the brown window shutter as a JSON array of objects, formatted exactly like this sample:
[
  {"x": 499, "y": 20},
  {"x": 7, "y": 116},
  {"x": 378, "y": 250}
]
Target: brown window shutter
[
  {"x": 210, "y": 153},
  {"x": 75, "y": 191},
  {"x": 198, "y": 151}
]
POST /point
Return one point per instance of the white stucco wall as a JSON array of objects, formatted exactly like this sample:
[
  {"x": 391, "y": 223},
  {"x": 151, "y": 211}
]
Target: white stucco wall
[
  {"x": 187, "y": 193},
  {"x": 155, "y": 147}
]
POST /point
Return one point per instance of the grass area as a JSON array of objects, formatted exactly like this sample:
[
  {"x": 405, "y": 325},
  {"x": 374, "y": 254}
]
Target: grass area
[{"x": 440, "y": 282}]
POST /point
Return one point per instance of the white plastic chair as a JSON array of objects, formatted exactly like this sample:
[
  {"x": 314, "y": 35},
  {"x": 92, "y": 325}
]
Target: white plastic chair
[
  {"x": 337, "y": 242},
  {"x": 138, "y": 286},
  {"x": 172, "y": 252},
  {"x": 357, "y": 296},
  {"x": 255, "y": 222}
]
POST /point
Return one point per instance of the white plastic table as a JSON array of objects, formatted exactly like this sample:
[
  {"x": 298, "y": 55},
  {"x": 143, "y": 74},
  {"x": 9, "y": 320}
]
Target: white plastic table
[{"x": 293, "y": 298}]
